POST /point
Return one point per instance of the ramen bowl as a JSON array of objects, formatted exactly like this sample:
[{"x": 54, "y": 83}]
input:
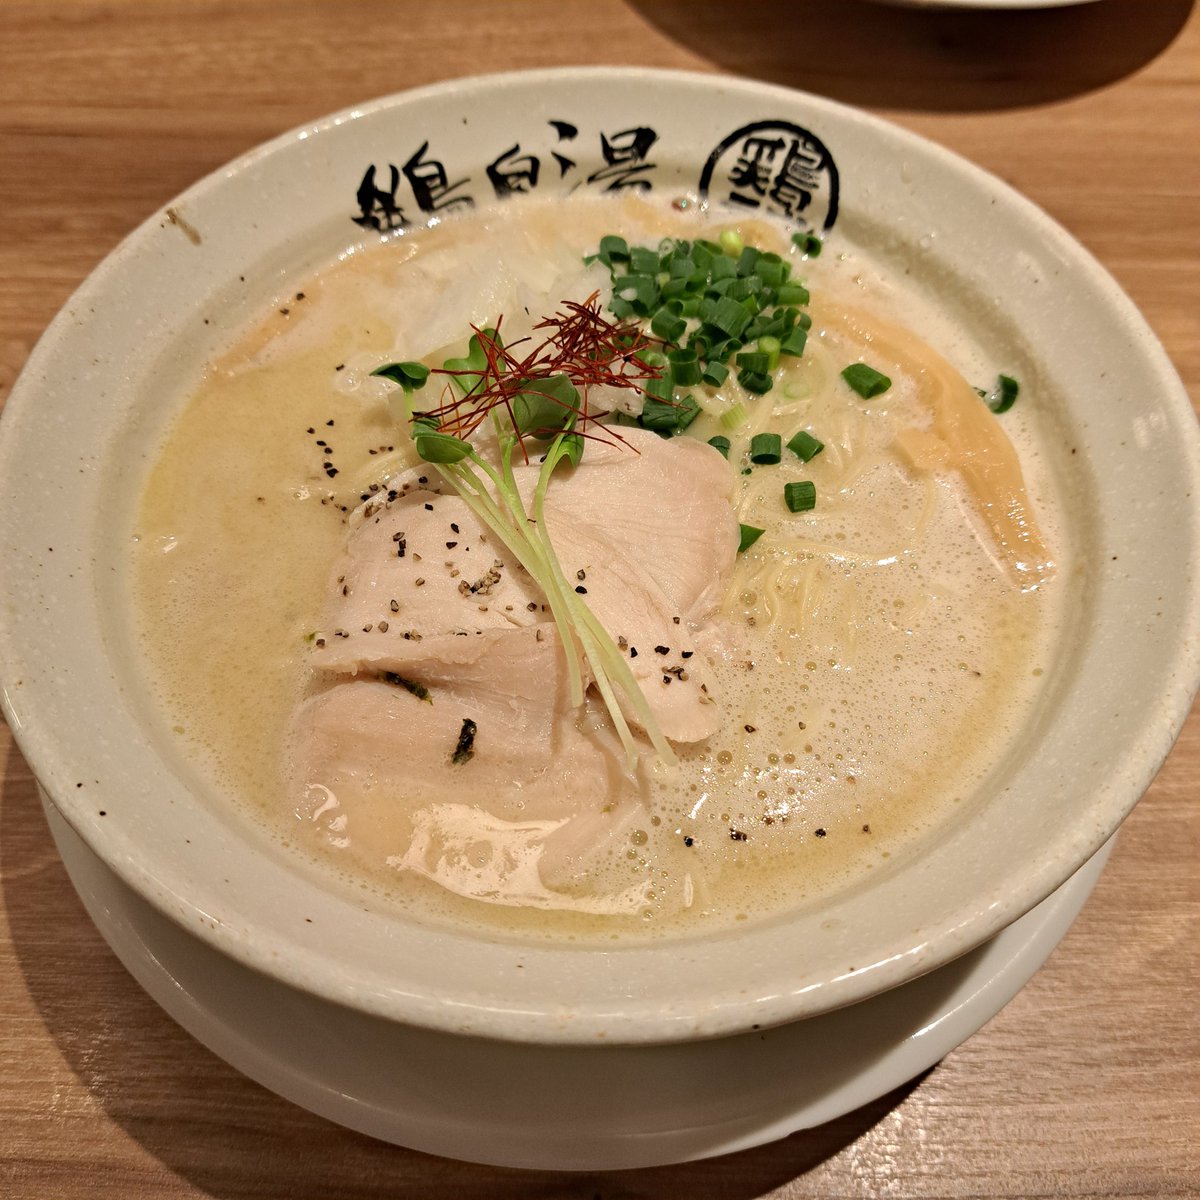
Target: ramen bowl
[{"x": 83, "y": 421}]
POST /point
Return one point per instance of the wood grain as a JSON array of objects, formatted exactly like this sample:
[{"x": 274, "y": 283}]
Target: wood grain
[{"x": 1088, "y": 1083}]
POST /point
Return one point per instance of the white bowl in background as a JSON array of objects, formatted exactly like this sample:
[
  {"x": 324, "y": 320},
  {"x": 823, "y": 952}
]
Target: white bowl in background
[{"x": 998, "y": 5}]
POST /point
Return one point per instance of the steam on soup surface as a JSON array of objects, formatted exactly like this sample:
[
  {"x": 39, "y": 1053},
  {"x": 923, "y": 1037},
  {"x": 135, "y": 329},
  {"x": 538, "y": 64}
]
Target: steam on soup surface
[{"x": 369, "y": 667}]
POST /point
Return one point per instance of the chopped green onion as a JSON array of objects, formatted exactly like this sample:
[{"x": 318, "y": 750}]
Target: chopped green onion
[
  {"x": 647, "y": 295},
  {"x": 674, "y": 289},
  {"x": 715, "y": 374},
  {"x": 721, "y": 269},
  {"x": 635, "y": 280},
  {"x": 761, "y": 315},
  {"x": 666, "y": 415},
  {"x": 613, "y": 249},
  {"x": 1005, "y": 394},
  {"x": 753, "y": 360},
  {"x": 757, "y": 382},
  {"x": 720, "y": 444},
  {"x": 723, "y": 351},
  {"x": 775, "y": 326},
  {"x": 744, "y": 288},
  {"x": 643, "y": 261},
  {"x": 709, "y": 304},
  {"x": 690, "y": 410},
  {"x": 706, "y": 308},
  {"x": 663, "y": 416},
  {"x": 667, "y": 325},
  {"x": 409, "y": 375},
  {"x": 771, "y": 269},
  {"x": 807, "y": 243},
  {"x": 734, "y": 416},
  {"x": 659, "y": 389},
  {"x": 770, "y": 346},
  {"x": 792, "y": 293},
  {"x": 747, "y": 260},
  {"x": 794, "y": 343},
  {"x": 800, "y": 497},
  {"x": 728, "y": 316},
  {"x": 865, "y": 380},
  {"x": 766, "y": 448},
  {"x": 805, "y": 446},
  {"x": 750, "y": 535},
  {"x": 685, "y": 367},
  {"x": 731, "y": 242}
]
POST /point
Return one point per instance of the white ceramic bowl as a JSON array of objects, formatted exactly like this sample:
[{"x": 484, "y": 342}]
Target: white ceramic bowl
[{"x": 81, "y": 418}]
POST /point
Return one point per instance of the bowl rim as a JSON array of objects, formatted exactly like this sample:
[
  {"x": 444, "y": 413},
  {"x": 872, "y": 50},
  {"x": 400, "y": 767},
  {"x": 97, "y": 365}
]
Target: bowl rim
[{"x": 323, "y": 974}]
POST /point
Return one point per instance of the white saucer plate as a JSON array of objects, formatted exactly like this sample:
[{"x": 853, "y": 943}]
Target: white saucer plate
[{"x": 562, "y": 1107}]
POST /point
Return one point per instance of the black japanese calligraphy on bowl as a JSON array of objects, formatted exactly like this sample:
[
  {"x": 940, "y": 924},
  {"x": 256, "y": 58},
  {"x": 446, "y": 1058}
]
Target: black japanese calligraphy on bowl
[
  {"x": 606, "y": 160},
  {"x": 767, "y": 167}
]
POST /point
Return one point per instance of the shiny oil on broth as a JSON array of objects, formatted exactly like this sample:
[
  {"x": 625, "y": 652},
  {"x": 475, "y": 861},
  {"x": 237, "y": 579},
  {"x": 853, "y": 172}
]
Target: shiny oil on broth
[{"x": 883, "y": 654}]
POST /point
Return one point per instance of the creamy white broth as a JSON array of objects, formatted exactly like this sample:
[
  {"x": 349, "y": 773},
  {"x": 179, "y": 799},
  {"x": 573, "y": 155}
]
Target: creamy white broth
[{"x": 884, "y": 655}]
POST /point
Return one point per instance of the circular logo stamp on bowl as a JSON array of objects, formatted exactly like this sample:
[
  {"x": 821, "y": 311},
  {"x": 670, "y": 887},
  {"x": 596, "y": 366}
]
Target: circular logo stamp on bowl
[{"x": 776, "y": 168}]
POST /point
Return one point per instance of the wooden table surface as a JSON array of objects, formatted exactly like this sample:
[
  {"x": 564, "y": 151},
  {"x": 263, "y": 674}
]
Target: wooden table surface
[{"x": 1088, "y": 1083}]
